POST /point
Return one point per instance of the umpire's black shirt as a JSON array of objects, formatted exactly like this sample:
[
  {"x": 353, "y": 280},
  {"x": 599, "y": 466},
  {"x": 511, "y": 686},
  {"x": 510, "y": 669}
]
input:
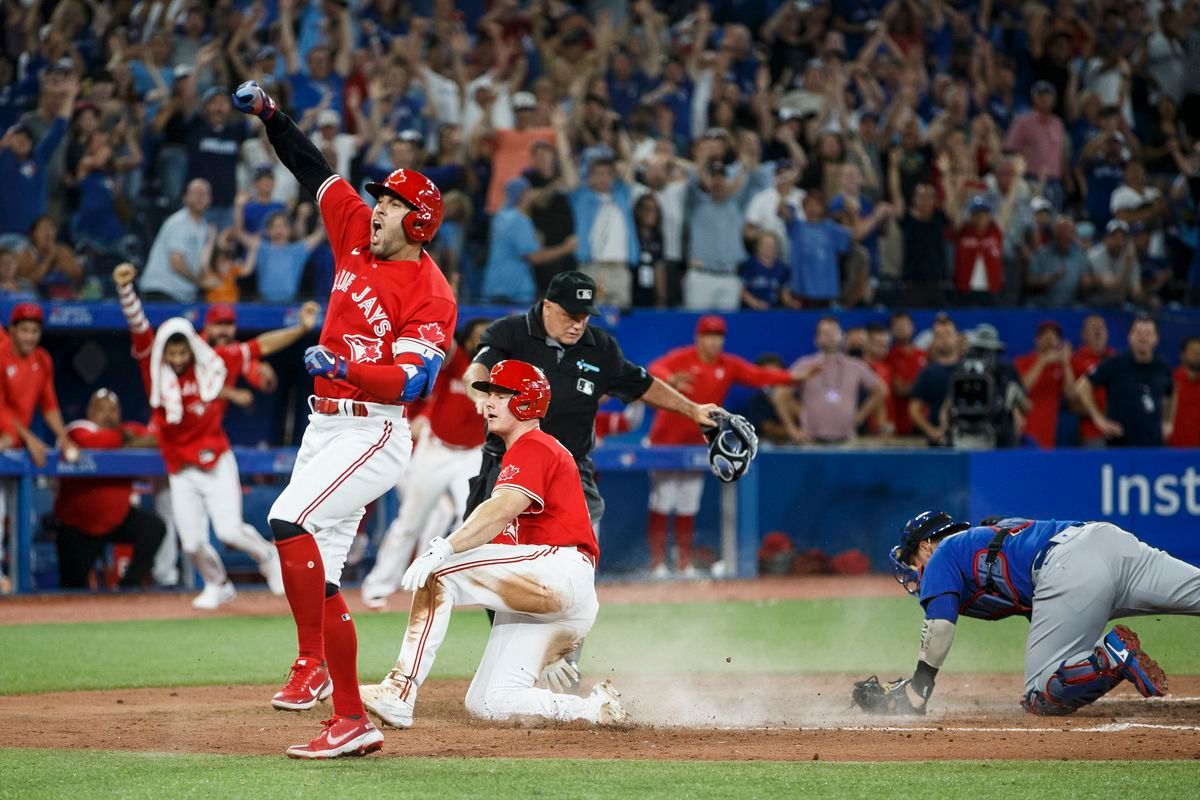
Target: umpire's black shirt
[{"x": 579, "y": 375}]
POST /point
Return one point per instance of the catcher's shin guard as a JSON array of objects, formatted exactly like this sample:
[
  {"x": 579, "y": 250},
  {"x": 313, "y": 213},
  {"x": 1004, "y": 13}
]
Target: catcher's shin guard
[{"x": 1073, "y": 686}]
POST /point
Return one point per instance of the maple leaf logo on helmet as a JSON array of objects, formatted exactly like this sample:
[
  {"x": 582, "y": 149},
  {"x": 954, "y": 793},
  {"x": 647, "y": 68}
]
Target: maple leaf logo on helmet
[
  {"x": 364, "y": 348},
  {"x": 431, "y": 332}
]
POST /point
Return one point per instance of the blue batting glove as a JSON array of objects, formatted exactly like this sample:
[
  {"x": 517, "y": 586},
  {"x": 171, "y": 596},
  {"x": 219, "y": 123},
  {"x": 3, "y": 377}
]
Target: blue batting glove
[
  {"x": 320, "y": 360},
  {"x": 250, "y": 98}
]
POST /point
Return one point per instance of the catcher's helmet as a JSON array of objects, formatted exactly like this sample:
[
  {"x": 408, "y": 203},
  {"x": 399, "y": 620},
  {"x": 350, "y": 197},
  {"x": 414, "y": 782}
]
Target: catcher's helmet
[
  {"x": 732, "y": 445},
  {"x": 926, "y": 525},
  {"x": 526, "y": 383},
  {"x": 418, "y": 193}
]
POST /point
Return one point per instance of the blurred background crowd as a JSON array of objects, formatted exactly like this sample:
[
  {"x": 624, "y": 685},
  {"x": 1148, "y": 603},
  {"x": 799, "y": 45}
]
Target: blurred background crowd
[{"x": 702, "y": 155}]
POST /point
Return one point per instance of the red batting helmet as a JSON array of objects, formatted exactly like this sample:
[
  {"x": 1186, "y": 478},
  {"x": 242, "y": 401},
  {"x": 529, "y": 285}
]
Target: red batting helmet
[
  {"x": 526, "y": 383},
  {"x": 26, "y": 311},
  {"x": 417, "y": 192}
]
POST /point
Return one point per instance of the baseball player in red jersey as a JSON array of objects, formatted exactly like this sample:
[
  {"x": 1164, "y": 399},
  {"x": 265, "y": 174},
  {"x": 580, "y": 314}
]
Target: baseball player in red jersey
[
  {"x": 445, "y": 458},
  {"x": 186, "y": 381},
  {"x": 390, "y": 317},
  {"x": 528, "y": 553},
  {"x": 220, "y": 328},
  {"x": 703, "y": 373},
  {"x": 27, "y": 384}
]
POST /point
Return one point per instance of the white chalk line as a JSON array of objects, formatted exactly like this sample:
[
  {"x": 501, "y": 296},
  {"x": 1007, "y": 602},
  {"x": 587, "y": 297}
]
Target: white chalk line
[{"x": 1111, "y": 727}]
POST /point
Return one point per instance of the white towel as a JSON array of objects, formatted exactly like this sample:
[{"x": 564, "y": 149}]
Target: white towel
[{"x": 165, "y": 392}]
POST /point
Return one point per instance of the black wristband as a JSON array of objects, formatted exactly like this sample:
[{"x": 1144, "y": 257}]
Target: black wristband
[{"x": 922, "y": 679}]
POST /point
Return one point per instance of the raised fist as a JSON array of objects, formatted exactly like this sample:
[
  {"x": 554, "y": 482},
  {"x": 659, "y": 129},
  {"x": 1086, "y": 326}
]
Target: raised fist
[
  {"x": 123, "y": 274},
  {"x": 250, "y": 98}
]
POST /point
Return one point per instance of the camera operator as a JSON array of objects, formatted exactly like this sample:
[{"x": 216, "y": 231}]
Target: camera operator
[{"x": 986, "y": 404}]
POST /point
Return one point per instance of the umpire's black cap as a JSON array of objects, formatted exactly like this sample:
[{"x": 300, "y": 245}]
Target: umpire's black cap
[{"x": 574, "y": 291}]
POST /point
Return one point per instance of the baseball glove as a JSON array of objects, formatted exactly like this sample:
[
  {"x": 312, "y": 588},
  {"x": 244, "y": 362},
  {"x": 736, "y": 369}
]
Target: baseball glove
[
  {"x": 874, "y": 697},
  {"x": 732, "y": 445}
]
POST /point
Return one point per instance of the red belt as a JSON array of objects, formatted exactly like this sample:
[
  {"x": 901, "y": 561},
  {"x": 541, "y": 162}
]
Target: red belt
[{"x": 330, "y": 407}]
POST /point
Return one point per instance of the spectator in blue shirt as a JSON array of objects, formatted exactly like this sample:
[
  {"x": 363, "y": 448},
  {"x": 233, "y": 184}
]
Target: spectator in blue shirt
[
  {"x": 816, "y": 243},
  {"x": 1101, "y": 172},
  {"x": 764, "y": 275},
  {"x": 514, "y": 248},
  {"x": 280, "y": 261},
  {"x": 23, "y": 168},
  {"x": 325, "y": 70},
  {"x": 260, "y": 205}
]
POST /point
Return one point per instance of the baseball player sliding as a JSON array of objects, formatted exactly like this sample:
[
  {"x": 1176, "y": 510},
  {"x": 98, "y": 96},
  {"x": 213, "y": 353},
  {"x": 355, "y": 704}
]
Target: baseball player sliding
[
  {"x": 188, "y": 383},
  {"x": 382, "y": 344},
  {"x": 445, "y": 458},
  {"x": 528, "y": 553},
  {"x": 1068, "y": 578}
]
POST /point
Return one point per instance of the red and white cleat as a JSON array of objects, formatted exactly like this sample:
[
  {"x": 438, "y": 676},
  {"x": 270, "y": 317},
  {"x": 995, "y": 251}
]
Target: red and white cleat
[
  {"x": 308, "y": 683},
  {"x": 341, "y": 736}
]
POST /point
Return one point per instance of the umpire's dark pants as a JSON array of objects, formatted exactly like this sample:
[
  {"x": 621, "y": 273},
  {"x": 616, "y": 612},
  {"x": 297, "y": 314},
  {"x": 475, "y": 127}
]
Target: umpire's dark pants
[{"x": 78, "y": 551}]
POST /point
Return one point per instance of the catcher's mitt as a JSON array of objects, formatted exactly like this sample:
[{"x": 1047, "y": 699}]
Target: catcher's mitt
[
  {"x": 874, "y": 697},
  {"x": 732, "y": 445}
]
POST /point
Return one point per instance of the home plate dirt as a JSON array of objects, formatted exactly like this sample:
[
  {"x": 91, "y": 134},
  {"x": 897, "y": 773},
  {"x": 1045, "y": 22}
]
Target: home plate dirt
[{"x": 751, "y": 719}]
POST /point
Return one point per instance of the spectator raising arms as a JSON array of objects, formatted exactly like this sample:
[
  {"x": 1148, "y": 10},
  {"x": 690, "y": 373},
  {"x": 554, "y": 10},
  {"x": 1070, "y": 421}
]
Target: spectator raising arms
[{"x": 1047, "y": 376}]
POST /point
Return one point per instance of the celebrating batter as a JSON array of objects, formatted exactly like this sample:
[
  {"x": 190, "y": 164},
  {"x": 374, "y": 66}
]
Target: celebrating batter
[
  {"x": 389, "y": 317},
  {"x": 1068, "y": 578},
  {"x": 537, "y": 573}
]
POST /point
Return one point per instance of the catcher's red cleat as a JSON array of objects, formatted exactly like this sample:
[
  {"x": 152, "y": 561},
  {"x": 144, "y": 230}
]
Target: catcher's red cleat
[
  {"x": 308, "y": 683},
  {"x": 341, "y": 736}
]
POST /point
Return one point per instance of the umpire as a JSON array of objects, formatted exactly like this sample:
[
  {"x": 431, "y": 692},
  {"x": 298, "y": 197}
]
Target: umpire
[{"x": 583, "y": 364}]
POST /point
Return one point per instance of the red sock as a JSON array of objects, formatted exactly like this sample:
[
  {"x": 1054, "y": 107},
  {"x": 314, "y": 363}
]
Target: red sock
[
  {"x": 341, "y": 652},
  {"x": 656, "y": 532},
  {"x": 304, "y": 585},
  {"x": 684, "y": 525}
]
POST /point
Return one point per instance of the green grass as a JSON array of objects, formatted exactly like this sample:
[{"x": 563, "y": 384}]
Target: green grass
[
  {"x": 852, "y": 636},
  {"x": 31, "y": 774}
]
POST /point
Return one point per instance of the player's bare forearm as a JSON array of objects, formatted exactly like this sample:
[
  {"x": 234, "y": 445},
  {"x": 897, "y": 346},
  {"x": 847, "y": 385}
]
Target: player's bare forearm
[
  {"x": 56, "y": 424},
  {"x": 488, "y": 520},
  {"x": 1086, "y": 397},
  {"x": 273, "y": 341}
]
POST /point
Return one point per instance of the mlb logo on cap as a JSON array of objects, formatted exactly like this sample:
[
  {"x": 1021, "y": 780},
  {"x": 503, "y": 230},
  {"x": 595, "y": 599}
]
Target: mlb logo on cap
[{"x": 583, "y": 294}]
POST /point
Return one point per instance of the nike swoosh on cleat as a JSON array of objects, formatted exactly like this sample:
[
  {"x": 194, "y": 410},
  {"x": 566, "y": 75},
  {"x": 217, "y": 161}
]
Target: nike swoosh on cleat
[{"x": 341, "y": 739}]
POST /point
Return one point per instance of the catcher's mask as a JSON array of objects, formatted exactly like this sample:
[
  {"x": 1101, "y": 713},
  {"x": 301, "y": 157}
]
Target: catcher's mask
[
  {"x": 732, "y": 445},
  {"x": 926, "y": 525}
]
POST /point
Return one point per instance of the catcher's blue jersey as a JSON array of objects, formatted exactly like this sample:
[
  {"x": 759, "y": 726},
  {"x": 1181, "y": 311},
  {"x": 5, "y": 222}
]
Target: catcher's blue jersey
[{"x": 960, "y": 580}]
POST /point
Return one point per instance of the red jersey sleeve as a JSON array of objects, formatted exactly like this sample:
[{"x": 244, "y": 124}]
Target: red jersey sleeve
[
  {"x": 90, "y": 436},
  {"x": 423, "y": 339},
  {"x": 669, "y": 363},
  {"x": 749, "y": 374},
  {"x": 47, "y": 398},
  {"x": 347, "y": 218},
  {"x": 240, "y": 357},
  {"x": 527, "y": 468}
]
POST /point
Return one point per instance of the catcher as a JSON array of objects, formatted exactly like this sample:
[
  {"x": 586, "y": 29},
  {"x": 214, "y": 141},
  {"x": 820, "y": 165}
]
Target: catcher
[{"x": 1068, "y": 578}]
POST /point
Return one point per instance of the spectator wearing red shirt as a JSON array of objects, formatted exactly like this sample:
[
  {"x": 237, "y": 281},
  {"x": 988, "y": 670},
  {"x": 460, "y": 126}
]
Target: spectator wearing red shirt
[
  {"x": 90, "y": 513},
  {"x": 905, "y": 361},
  {"x": 1047, "y": 376},
  {"x": 1186, "y": 429},
  {"x": 876, "y": 356},
  {"x": 1093, "y": 349},
  {"x": 27, "y": 383},
  {"x": 978, "y": 266},
  {"x": 702, "y": 372}
]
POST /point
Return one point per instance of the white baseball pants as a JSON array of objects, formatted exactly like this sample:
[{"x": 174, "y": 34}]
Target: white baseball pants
[
  {"x": 432, "y": 497},
  {"x": 202, "y": 496},
  {"x": 545, "y": 603},
  {"x": 344, "y": 463},
  {"x": 674, "y": 492}
]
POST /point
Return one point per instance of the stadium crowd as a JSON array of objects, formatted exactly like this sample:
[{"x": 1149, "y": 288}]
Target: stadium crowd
[{"x": 709, "y": 155}]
